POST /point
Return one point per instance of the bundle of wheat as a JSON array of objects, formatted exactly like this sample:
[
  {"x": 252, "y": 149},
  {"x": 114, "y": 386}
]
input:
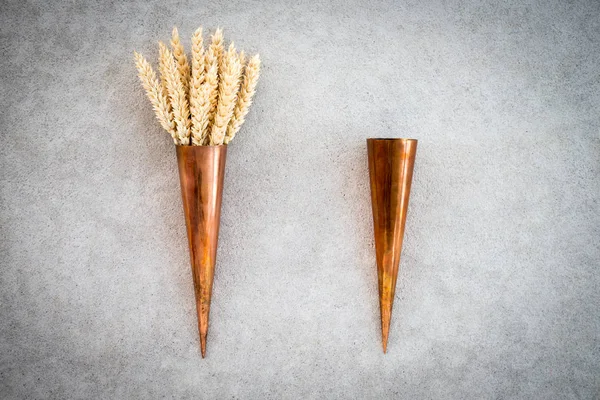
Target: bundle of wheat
[{"x": 205, "y": 103}]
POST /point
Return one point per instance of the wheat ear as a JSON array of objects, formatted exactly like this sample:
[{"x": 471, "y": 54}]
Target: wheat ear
[
  {"x": 198, "y": 56},
  {"x": 210, "y": 89},
  {"x": 216, "y": 55},
  {"x": 162, "y": 68},
  {"x": 242, "y": 58},
  {"x": 247, "y": 90},
  {"x": 228, "y": 89},
  {"x": 154, "y": 92},
  {"x": 179, "y": 103},
  {"x": 218, "y": 44},
  {"x": 199, "y": 102},
  {"x": 182, "y": 63}
]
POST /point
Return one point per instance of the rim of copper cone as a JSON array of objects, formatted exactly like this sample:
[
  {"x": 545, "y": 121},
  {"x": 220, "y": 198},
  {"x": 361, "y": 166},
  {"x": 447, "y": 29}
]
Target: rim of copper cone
[
  {"x": 399, "y": 139},
  {"x": 204, "y": 145}
]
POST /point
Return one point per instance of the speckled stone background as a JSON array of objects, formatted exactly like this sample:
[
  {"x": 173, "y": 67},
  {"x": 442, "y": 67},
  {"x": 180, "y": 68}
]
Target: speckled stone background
[{"x": 499, "y": 289}]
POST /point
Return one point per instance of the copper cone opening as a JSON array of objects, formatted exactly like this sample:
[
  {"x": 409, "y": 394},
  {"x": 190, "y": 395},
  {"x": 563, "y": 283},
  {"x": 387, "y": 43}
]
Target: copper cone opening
[
  {"x": 201, "y": 172},
  {"x": 391, "y": 164}
]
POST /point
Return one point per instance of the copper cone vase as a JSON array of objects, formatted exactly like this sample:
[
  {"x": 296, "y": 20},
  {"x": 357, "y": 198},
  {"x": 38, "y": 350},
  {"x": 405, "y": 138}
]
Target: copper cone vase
[
  {"x": 391, "y": 163},
  {"x": 201, "y": 172}
]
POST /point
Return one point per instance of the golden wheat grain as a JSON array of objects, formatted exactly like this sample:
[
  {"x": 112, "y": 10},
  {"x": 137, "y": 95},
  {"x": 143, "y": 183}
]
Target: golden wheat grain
[
  {"x": 154, "y": 92},
  {"x": 179, "y": 102},
  {"x": 182, "y": 63},
  {"x": 244, "y": 98},
  {"x": 228, "y": 88}
]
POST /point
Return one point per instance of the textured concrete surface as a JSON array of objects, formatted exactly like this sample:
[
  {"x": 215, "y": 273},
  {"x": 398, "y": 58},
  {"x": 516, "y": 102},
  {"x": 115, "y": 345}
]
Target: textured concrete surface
[{"x": 499, "y": 289}]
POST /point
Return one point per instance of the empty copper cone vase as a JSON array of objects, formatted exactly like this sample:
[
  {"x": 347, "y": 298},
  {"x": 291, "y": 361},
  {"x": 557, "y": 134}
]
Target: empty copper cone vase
[
  {"x": 201, "y": 172},
  {"x": 391, "y": 163}
]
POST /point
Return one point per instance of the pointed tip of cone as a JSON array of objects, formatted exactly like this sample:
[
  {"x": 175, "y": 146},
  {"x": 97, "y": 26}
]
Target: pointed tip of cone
[
  {"x": 385, "y": 330},
  {"x": 384, "y": 341},
  {"x": 203, "y": 345}
]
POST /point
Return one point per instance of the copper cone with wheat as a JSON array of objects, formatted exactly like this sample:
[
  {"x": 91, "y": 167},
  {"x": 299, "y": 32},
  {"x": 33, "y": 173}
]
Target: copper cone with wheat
[
  {"x": 391, "y": 163},
  {"x": 202, "y": 106}
]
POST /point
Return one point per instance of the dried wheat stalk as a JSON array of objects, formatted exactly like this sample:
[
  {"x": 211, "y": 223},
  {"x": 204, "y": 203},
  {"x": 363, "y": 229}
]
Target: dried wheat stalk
[
  {"x": 216, "y": 51},
  {"x": 209, "y": 88},
  {"x": 154, "y": 91},
  {"x": 199, "y": 101},
  {"x": 182, "y": 63},
  {"x": 179, "y": 102},
  {"x": 244, "y": 98},
  {"x": 229, "y": 86},
  {"x": 162, "y": 68},
  {"x": 198, "y": 57}
]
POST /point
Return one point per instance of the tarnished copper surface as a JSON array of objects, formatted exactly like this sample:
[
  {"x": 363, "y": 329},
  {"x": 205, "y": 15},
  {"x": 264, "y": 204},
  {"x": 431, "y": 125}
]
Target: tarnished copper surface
[
  {"x": 201, "y": 172},
  {"x": 391, "y": 163}
]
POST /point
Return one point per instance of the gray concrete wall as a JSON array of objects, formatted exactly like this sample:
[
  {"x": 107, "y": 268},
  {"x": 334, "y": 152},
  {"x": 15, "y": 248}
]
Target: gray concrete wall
[{"x": 498, "y": 294}]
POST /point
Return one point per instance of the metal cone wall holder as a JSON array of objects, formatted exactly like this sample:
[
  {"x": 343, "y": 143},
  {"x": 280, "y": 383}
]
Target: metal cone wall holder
[
  {"x": 201, "y": 172},
  {"x": 391, "y": 163}
]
